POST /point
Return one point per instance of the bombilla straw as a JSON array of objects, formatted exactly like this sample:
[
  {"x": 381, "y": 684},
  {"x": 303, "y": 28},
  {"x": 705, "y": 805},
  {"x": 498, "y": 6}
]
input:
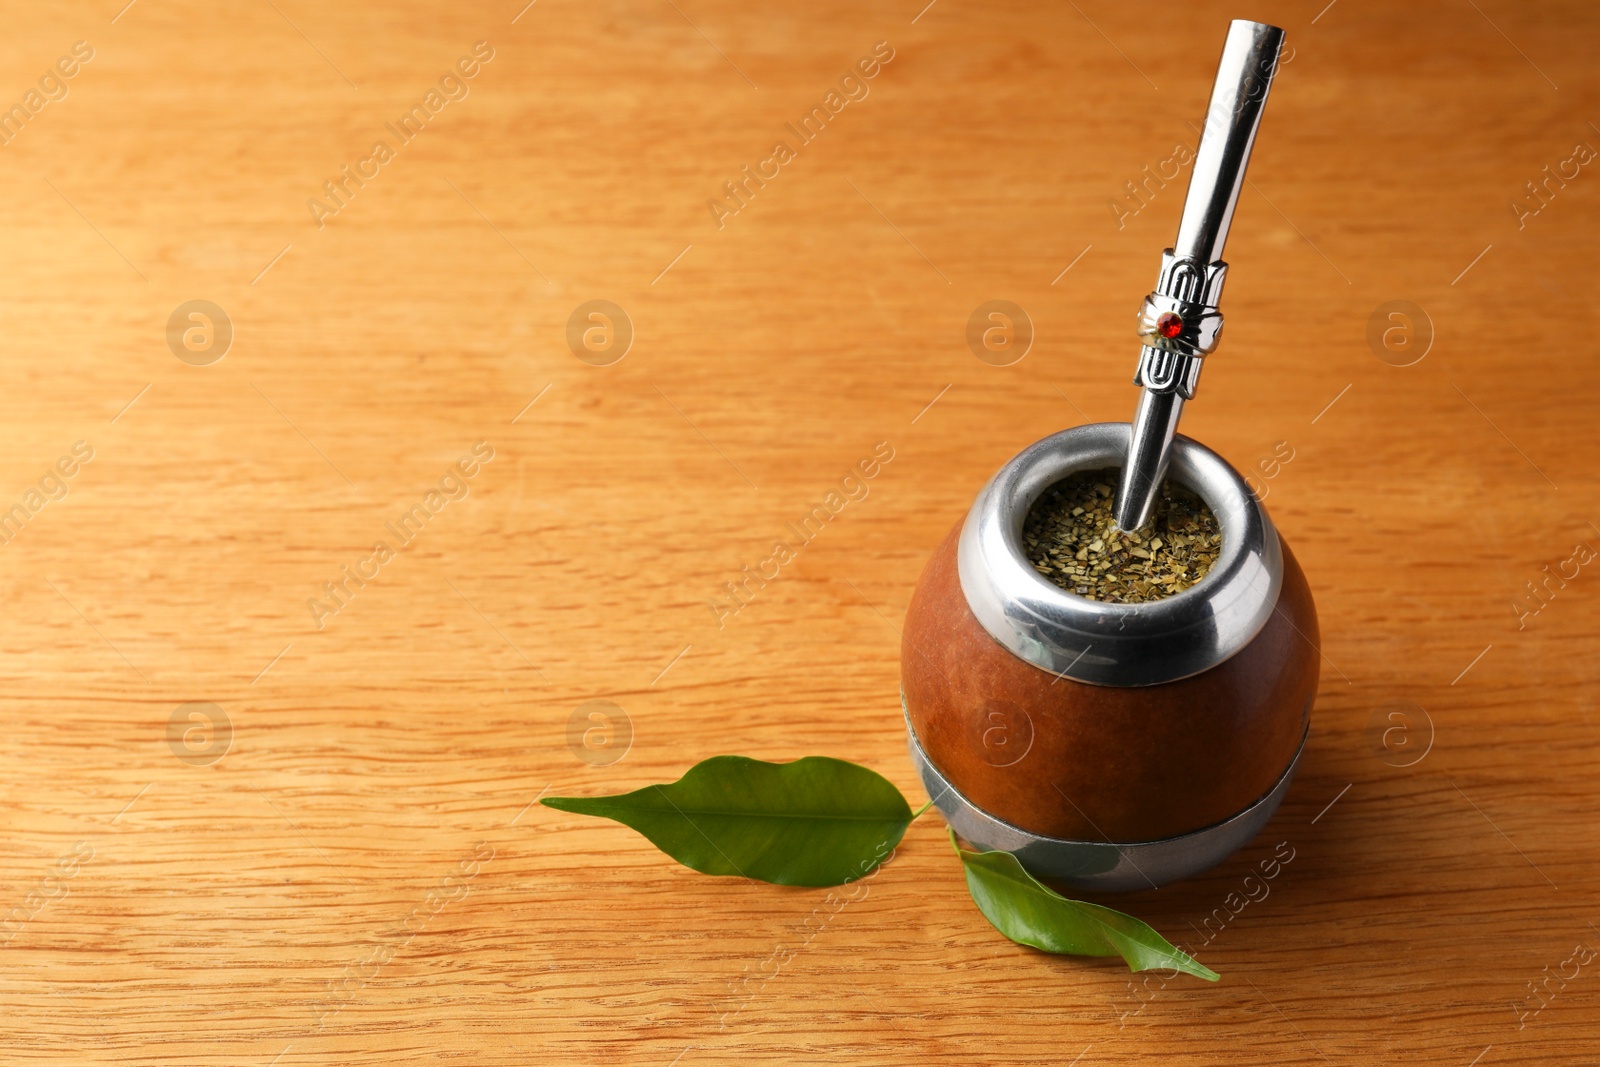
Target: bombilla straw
[{"x": 1179, "y": 323}]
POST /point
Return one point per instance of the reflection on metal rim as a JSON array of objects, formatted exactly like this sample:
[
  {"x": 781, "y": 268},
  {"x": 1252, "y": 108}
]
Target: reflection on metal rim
[{"x": 1117, "y": 644}]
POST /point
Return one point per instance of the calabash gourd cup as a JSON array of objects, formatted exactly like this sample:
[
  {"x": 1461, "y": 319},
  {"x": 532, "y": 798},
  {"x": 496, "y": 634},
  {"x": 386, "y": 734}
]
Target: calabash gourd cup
[{"x": 1116, "y": 746}]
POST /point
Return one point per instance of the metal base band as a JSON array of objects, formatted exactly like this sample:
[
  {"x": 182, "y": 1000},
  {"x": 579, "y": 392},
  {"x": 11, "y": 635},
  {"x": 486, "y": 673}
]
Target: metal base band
[{"x": 1100, "y": 865}]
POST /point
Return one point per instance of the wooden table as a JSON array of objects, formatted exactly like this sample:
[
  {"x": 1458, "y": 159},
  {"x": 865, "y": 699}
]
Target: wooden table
[{"x": 333, "y": 857}]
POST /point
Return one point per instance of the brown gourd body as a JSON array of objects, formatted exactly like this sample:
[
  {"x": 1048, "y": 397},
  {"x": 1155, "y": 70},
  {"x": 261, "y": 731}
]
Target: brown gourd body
[{"x": 1067, "y": 759}]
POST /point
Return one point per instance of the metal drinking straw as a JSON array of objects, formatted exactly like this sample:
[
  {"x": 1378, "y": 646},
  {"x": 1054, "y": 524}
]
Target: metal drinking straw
[{"x": 1179, "y": 322}]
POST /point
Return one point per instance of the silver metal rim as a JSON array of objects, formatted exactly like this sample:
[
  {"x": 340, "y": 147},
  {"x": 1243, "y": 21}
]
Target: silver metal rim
[
  {"x": 1100, "y": 865},
  {"x": 1117, "y": 644}
]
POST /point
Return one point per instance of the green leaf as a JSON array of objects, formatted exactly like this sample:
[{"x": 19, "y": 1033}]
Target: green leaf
[
  {"x": 814, "y": 822},
  {"x": 1031, "y": 914}
]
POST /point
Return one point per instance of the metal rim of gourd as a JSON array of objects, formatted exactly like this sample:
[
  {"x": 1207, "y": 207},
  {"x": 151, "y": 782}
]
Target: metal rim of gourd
[{"x": 1117, "y": 644}]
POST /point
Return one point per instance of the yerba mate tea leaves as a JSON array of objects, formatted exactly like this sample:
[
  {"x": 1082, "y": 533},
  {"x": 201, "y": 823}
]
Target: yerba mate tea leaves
[{"x": 1071, "y": 538}]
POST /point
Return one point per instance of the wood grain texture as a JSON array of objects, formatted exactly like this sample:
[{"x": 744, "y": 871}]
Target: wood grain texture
[{"x": 366, "y": 844}]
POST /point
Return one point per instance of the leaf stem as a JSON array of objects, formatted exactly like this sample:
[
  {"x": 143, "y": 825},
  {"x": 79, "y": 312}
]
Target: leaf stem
[{"x": 918, "y": 813}]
